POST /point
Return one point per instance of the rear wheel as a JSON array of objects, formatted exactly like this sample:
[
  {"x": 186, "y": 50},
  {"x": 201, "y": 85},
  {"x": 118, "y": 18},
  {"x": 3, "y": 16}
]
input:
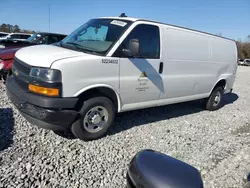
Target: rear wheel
[
  {"x": 96, "y": 116},
  {"x": 214, "y": 101}
]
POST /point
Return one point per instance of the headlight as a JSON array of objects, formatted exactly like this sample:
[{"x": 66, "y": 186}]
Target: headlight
[{"x": 46, "y": 74}]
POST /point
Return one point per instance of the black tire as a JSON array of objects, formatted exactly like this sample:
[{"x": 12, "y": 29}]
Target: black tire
[
  {"x": 65, "y": 134},
  {"x": 88, "y": 131},
  {"x": 213, "y": 103}
]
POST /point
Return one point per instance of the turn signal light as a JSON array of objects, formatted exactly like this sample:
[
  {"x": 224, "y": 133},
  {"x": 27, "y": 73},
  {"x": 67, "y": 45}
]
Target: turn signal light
[{"x": 44, "y": 90}]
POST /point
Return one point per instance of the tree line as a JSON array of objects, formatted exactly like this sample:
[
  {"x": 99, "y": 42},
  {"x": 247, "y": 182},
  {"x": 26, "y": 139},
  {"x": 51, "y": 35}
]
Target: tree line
[
  {"x": 8, "y": 28},
  {"x": 244, "y": 48}
]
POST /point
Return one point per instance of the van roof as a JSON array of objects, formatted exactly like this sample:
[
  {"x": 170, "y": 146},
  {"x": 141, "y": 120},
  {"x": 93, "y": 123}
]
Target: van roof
[
  {"x": 122, "y": 18},
  {"x": 137, "y": 19}
]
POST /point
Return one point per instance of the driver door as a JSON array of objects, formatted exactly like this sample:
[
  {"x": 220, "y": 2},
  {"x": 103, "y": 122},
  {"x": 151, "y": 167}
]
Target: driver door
[{"x": 140, "y": 80}]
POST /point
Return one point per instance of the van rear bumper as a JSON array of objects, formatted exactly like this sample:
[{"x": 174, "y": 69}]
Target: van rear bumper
[{"x": 45, "y": 112}]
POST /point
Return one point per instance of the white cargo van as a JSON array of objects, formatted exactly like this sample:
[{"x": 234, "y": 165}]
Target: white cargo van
[{"x": 116, "y": 64}]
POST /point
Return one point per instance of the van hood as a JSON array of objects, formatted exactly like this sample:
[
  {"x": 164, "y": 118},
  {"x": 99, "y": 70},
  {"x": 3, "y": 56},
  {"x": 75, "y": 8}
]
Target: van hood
[{"x": 45, "y": 55}]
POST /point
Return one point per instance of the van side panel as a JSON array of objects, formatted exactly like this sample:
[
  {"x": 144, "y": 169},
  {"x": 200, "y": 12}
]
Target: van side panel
[
  {"x": 224, "y": 53},
  {"x": 187, "y": 67},
  {"x": 194, "y": 62},
  {"x": 223, "y": 50},
  {"x": 186, "y": 45}
]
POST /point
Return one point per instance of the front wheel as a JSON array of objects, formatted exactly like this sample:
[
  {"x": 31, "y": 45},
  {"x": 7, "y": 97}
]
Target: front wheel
[
  {"x": 214, "y": 101},
  {"x": 96, "y": 116}
]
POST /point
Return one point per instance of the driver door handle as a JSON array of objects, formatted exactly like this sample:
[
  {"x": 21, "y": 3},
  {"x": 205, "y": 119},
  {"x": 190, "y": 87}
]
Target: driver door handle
[{"x": 161, "y": 68}]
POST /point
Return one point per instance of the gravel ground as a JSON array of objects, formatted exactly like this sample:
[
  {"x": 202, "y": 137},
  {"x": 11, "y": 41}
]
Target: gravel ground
[{"x": 217, "y": 143}]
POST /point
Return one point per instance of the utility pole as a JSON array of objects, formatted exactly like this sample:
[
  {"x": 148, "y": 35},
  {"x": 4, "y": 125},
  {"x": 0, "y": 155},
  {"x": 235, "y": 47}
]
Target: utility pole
[{"x": 49, "y": 17}]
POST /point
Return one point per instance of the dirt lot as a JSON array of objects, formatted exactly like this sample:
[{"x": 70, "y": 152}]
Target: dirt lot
[{"x": 217, "y": 143}]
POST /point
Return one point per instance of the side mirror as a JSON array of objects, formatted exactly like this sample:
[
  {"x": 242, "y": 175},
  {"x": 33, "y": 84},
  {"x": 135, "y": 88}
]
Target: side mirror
[
  {"x": 153, "y": 169},
  {"x": 134, "y": 48}
]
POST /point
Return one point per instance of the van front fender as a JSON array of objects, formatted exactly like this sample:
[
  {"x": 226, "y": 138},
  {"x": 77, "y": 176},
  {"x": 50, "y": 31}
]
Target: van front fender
[{"x": 97, "y": 86}]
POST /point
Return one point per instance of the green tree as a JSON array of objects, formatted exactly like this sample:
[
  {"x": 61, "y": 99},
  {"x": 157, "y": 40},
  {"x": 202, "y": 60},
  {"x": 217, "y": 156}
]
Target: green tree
[
  {"x": 4, "y": 28},
  {"x": 9, "y": 28},
  {"x": 16, "y": 29}
]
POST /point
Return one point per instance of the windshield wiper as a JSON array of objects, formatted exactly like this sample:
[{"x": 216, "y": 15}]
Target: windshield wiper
[
  {"x": 73, "y": 43},
  {"x": 79, "y": 47}
]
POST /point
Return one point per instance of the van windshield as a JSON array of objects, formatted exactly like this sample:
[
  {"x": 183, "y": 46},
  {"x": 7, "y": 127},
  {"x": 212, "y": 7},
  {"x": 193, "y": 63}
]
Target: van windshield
[{"x": 97, "y": 35}]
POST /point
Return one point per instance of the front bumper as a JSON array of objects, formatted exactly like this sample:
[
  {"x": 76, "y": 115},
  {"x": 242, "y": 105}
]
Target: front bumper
[{"x": 45, "y": 112}]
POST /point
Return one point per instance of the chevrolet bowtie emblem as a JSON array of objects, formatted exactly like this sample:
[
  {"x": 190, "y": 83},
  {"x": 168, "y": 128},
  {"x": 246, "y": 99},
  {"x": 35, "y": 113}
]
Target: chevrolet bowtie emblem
[{"x": 16, "y": 73}]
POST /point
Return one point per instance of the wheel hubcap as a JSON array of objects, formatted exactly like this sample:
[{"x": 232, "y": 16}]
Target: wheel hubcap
[
  {"x": 95, "y": 119},
  {"x": 217, "y": 99}
]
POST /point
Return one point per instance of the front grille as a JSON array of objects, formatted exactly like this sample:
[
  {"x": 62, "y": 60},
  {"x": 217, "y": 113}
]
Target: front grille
[
  {"x": 21, "y": 66},
  {"x": 21, "y": 72},
  {"x": 22, "y": 84}
]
